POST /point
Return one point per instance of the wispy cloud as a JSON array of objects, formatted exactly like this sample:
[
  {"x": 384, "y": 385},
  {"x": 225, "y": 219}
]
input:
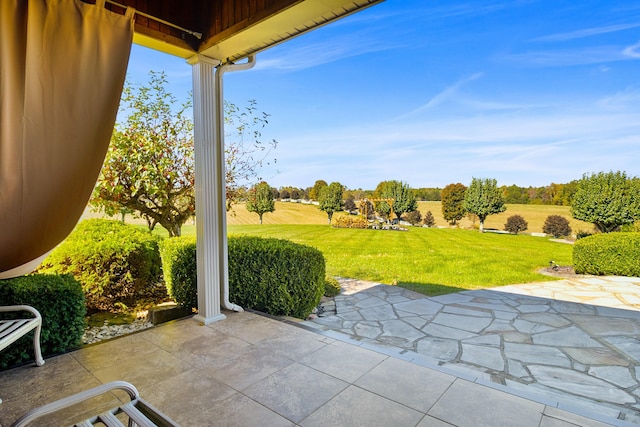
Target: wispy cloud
[
  {"x": 632, "y": 51},
  {"x": 442, "y": 96},
  {"x": 587, "y": 32},
  {"x": 570, "y": 57}
]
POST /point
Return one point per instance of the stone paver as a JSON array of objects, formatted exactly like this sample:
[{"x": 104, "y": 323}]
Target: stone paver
[{"x": 575, "y": 340}]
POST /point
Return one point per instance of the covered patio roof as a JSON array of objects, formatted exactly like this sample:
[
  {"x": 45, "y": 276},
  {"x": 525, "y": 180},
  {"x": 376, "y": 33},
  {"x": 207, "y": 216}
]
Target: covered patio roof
[{"x": 228, "y": 30}]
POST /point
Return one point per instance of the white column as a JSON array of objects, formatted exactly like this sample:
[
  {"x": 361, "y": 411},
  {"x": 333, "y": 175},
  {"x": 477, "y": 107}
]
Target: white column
[{"x": 210, "y": 192}]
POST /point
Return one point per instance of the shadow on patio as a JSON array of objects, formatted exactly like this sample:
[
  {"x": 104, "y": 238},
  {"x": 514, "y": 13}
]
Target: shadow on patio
[{"x": 250, "y": 369}]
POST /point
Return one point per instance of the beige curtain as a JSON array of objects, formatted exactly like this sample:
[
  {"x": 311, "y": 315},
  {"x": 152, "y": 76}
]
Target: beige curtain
[{"x": 62, "y": 69}]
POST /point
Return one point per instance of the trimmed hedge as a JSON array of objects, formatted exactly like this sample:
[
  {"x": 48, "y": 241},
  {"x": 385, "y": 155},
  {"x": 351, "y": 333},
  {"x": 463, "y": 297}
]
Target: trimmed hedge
[
  {"x": 270, "y": 275},
  {"x": 60, "y": 301},
  {"x": 608, "y": 254},
  {"x": 179, "y": 268},
  {"x": 117, "y": 264}
]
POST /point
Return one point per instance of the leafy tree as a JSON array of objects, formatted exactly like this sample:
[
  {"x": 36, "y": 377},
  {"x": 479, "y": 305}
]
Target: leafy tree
[
  {"x": 557, "y": 226},
  {"x": 350, "y": 203},
  {"x": 516, "y": 195},
  {"x": 429, "y": 220},
  {"x": 608, "y": 200},
  {"x": 149, "y": 167},
  {"x": 285, "y": 193},
  {"x": 260, "y": 199},
  {"x": 330, "y": 199},
  {"x": 314, "y": 192},
  {"x": 404, "y": 200},
  {"x": 515, "y": 224},
  {"x": 245, "y": 150},
  {"x": 295, "y": 194},
  {"x": 452, "y": 201},
  {"x": 414, "y": 217},
  {"x": 483, "y": 198}
]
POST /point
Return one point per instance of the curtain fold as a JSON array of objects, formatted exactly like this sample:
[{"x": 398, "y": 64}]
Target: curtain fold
[{"x": 62, "y": 68}]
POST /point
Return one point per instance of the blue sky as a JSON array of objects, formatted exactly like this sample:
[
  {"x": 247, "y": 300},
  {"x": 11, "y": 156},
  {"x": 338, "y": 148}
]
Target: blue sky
[{"x": 436, "y": 92}]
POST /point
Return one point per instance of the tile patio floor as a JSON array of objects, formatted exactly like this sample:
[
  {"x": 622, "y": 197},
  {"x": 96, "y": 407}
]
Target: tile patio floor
[{"x": 252, "y": 370}]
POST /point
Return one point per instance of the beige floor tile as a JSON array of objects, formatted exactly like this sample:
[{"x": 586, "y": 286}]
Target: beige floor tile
[
  {"x": 295, "y": 391},
  {"x": 343, "y": 361},
  {"x": 473, "y": 405},
  {"x": 356, "y": 407},
  {"x": 406, "y": 383}
]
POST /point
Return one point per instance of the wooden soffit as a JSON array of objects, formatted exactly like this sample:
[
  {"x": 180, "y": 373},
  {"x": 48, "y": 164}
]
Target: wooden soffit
[{"x": 229, "y": 30}]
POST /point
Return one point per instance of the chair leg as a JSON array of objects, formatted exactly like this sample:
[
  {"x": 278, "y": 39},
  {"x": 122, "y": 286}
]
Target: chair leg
[{"x": 36, "y": 346}]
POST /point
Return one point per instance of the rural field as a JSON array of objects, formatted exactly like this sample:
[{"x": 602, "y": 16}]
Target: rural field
[{"x": 432, "y": 261}]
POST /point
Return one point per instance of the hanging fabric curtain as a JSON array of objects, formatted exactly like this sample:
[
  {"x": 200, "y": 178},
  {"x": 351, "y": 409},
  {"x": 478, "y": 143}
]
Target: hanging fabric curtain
[{"x": 62, "y": 69}]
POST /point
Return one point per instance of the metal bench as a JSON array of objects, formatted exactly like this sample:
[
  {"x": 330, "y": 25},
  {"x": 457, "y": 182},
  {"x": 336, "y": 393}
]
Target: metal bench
[
  {"x": 138, "y": 412},
  {"x": 13, "y": 329}
]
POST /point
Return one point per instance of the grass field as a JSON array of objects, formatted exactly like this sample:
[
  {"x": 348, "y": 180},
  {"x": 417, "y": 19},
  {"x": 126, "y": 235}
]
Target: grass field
[{"x": 433, "y": 261}]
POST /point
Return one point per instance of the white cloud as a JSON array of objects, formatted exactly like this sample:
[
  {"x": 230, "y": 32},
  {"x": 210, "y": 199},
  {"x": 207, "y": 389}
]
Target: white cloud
[
  {"x": 570, "y": 57},
  {"x": 587, "y": 32},
  {"x": 633, "y": 51}
]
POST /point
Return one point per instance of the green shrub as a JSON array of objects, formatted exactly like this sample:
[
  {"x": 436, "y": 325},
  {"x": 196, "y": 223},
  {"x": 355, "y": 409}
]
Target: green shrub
[
  {"x": 608, "y": 254},
  {"x": 557, "y": 226},
  {"x": 631, "y": 228},
  {"x": 331, "y": 287},
  {"x": 516, "y": 224},
  {"x": 275, "y": 276},
  {"x": 117, "y": 264},
  {"x": 413, "y": 217},
  {"x": 60, "y": 301},
  {"x": 179, "y": 268}
]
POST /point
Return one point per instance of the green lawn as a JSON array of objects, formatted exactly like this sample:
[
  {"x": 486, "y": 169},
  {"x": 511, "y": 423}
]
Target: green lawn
[{"x": 429, "y": 260}]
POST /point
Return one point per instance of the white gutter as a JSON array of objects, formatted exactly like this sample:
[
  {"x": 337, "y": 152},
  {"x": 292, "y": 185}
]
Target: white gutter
[{"x": 219, "y": 142}]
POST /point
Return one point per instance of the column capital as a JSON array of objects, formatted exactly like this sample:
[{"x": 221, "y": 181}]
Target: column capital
[{"x": 202, "y": 59}]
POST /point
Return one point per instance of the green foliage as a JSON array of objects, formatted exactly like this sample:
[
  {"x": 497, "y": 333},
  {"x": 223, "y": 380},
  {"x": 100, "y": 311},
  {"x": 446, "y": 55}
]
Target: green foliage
[
  {"x": 180, "y": 271},
  {"x": 631, "y": 228},
  {"x": 401, "y": 193},
  {"x": 608, "y": 200},
  {"x": 350, "y": 204},
  {"x": 60, "y": 301},
  {"x": 314, "y": 193},
  {"x": 275, "y": 276},
  {"x": 331, "y": 287},
  {"x": 429, "y": 220},
  {"x": 608, "y": 254},
  {"x": 260, "y": 199},
  {"x": 483, "y": 198},
  {"x": 413, "y": 217},
  {"x": 516, "y": 224},
  {"x": 149, "y": 167},
  {"x": 331, "y": 199},
  {"x": 117, "y": 264},
  {"x": 557, "y": 226},
  {"x": 427, "y": 194},
  {"x": 452, "y": 197}
]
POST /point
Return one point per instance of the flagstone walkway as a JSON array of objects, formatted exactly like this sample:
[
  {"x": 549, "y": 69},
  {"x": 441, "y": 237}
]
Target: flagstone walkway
[{"x": 575, "y": 340}]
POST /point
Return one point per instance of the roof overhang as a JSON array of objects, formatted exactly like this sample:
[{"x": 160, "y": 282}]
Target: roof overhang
[{"x": 228, "y": 30}]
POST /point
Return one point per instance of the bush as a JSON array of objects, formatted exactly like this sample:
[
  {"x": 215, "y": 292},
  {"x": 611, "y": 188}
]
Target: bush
[
  {"x": 580, "y": 234},
  {"x": 60, "y": 301},
  {"x": 413, "y": 217},
  {"x": 350, "y": 222},
  {"x": 275, "y": 276},
  {"x": 516, "y": 224},
  {"x": 270, "y": 275},
  {"x": 631, "y": 228},
  {"x": 429, "y": 220},
  {"x": 117, "y": 264},
  {"x": 331, "y": 287},
  {"x": 608, "y": 254},
  {"x": 557, "y": 226},
  {"x": 179, "y": 269}
]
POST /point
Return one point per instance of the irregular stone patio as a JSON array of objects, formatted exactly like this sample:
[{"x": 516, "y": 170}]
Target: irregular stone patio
[{"x": 574, "y": 340}]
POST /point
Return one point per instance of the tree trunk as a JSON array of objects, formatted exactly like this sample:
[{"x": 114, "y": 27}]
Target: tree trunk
[{"x": 260, "y": 215}]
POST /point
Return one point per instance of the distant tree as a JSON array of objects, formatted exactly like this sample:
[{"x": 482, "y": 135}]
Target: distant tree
[
  {"x": 429, "y": 220},
  {"x": 260, "y": 199},
  {"x": 427, "y": 194},
  {"x": 276, "y": 193},
  {"x": 404, "y": 200},
  {"x": 607, "y": 199},
  {"x": 330, "y": 199},
  {"x": 557, "y": 226},
  {"x": 515, "y": 195},
  {"x": 483, "y": 198},
  {"x": 350, "y": 203},
  {"x": 295, "y": 194},
  {"x": 314, "y": 192},
  {"x": 516, "y": 224},
  {"x": 452, "y": 201},
  {"x": 285, "y": 193},
  {"x": 414, "y": 217}
]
